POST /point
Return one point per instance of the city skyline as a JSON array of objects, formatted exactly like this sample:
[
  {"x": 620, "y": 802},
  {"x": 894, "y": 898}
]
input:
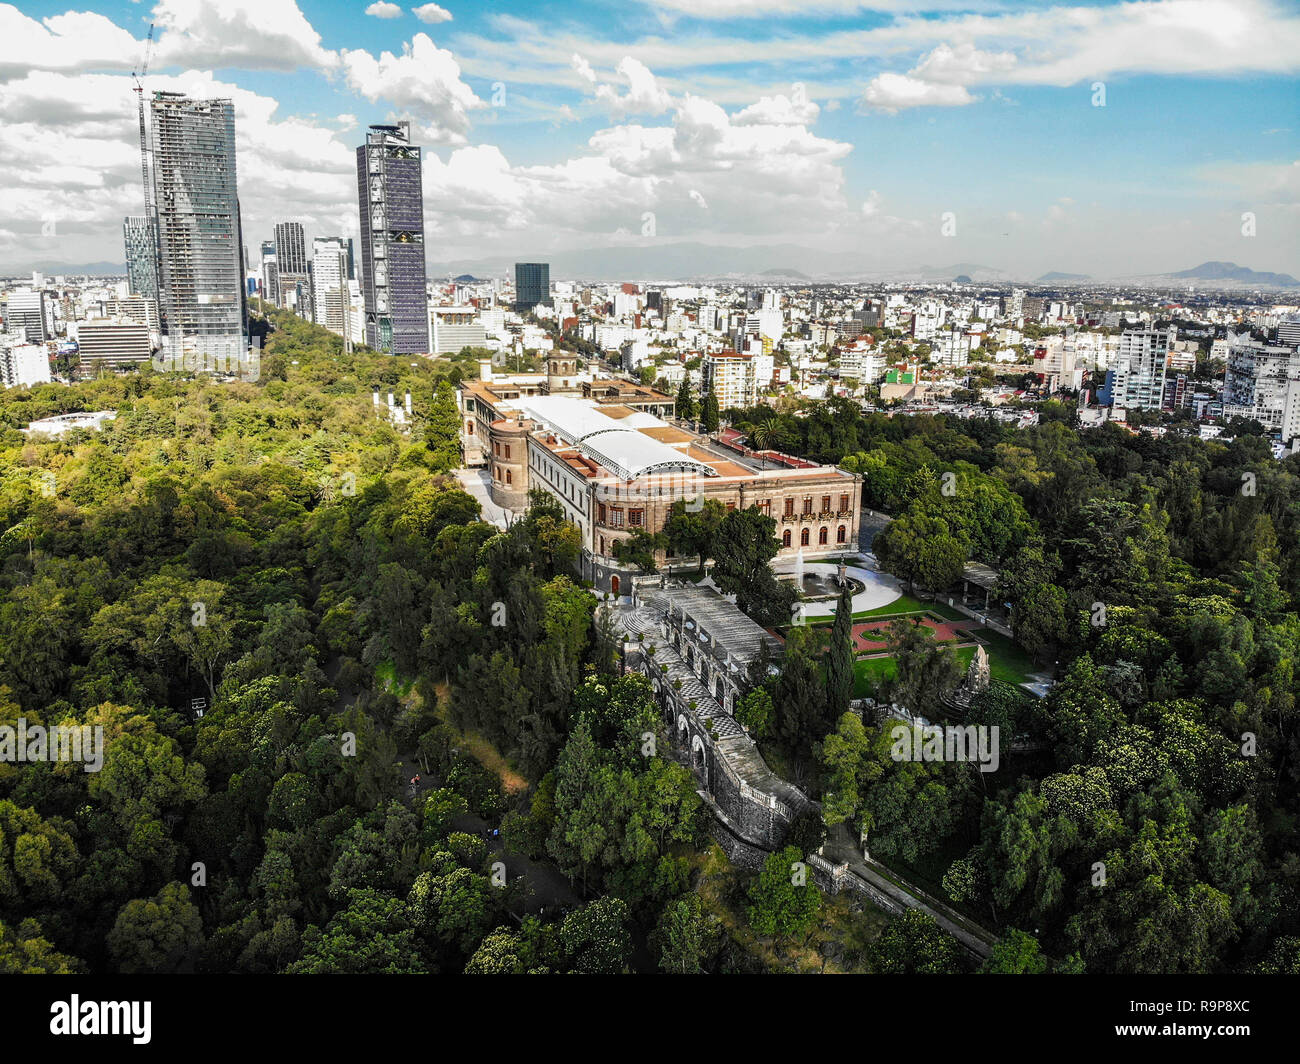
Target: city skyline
[{"x": 1026, "y": 142}]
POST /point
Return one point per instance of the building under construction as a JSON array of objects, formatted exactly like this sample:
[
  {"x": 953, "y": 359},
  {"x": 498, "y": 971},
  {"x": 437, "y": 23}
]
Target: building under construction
[{"x": 202, "y": 299}]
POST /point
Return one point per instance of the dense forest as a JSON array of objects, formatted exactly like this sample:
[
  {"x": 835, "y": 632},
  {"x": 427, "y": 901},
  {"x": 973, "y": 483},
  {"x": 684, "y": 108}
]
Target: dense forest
[
  {"x": 1159, "y": 580},
  {"x": 324, "y": 684}
]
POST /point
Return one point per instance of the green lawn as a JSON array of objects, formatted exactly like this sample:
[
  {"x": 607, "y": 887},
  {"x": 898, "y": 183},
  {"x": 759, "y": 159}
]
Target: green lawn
[{"x": 1007, "y": 662}]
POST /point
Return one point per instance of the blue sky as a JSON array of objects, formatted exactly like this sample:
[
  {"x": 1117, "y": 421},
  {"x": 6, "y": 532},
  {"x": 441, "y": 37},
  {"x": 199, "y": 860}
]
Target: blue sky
[{"x": 826, "y": 123}]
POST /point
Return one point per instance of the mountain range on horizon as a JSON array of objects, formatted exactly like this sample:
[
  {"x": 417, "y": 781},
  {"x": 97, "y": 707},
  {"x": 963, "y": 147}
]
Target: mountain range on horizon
[{"x": 774, "y": 263}]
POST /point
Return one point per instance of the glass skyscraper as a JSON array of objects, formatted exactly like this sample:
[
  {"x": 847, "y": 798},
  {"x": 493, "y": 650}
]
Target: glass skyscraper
[
  {"x": 200, "y": 244},
  {"x": 391, "y": 199},
  {"x": 532, "y": 283}
]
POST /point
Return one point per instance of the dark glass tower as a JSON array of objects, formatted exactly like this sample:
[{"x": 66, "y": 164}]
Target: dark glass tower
[
  {"x": 532, "y": 283},
  {"x": 391, "y": 199}
]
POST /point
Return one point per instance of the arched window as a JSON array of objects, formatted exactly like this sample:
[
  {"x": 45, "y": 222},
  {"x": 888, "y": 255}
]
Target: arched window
[
  {"x": 613, "y": 584},
  {"x": 841, "y": 534},
  {"x": 803, "y": 538},
  {"x": 823, "y": 535},
  {"x": 785, "y": 538}
]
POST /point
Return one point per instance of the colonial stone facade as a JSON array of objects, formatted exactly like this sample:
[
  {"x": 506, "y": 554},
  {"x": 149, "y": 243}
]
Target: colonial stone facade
[{"x": 696, "y": 648}]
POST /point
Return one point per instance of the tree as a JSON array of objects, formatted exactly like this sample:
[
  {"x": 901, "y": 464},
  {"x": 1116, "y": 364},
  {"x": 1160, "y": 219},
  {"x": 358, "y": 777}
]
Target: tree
[
  {"x": 596, "y": 938},
  {"x": 639, "y": 549},
  {"x": 686, "y": 408},
  {"x": 25, "y": 951},
  {"x": 709, "y": 416},
  {"x": 684, "y": 936},
  {"x": 756, "y": 713},
  {"x": 839, "y": 658},
  {"x": 1015, "y": 953},
  {"x": 745, "y": 543},
  {"x": 783, "y": 900},
  {"x": 692, "y": 526},
  {"x": 922, "y": 550},
  {"x": 159, "y": 935},
  {"x": 915, "y": 944},
  {"x": 924, "y": 671}
]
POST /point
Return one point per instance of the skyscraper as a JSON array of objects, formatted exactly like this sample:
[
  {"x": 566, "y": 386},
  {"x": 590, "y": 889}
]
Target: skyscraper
[
  {"x": 329, "y": 267},
  {"x": 141, "y": 238},
  {"x": 293, "y": 265},
  {"x": 200, "y": 244},
  {"x": 270, "y": 273},
  {"x": 391, "y": 201},
  {"x": 532, "y": 283}
]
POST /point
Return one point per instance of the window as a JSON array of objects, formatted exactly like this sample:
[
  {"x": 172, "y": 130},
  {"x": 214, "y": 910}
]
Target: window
[
  {"x": 602, "y": 544},
  {"x": 636, "y": 518},
  {"x": 823, "y": 535},
  {"x": 616, "y": 517},
  {"x": 807, "y": 505},
  {"x": 469, "y": 428},
  {"x": 789, "y": 507},
  {"x": 844, "y": 503},
  {"x": 507, "y": 452},
  {"x": 841, "y": 534},
  {"x": 803, "y": 538},
  {"x": 785, "y": 538},
  {"x": 826, "y": 499},
  {"x": 765, "y": 507},
  {"x": 600, "y": 516},
  {"x": 510, "y": 477}
]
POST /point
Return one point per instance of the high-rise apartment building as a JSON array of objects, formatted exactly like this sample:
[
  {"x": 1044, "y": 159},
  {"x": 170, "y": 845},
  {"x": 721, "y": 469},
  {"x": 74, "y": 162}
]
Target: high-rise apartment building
[
  {"x": 270, "y": 273},
  {"x": 390, "y": 192},
  {"x": 1288, "y": 331},
  {"x": 200, "y": 245},
  {"x": 1262, "y": 382},
  {"x": 532, "y": 284},
  {"x": 24, "y": 365},
  {"x": 140, "y": 236},
  {"x": 731, "y": 378},
  {"x": 1137, "y": 379},
  {"x": 329, "y": 268},
  {"x": 25, "y": 314}
]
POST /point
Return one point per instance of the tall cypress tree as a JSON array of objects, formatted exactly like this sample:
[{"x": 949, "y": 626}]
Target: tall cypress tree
[
  {"x": 685, "y": 401},
  {"x": 709, "y": 417},
  {"x": 839, "y": 658}
]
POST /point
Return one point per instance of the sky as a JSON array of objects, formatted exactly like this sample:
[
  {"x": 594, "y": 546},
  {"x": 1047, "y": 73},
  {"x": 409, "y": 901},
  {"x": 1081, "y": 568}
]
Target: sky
[{"x": 1108, "y": 139}]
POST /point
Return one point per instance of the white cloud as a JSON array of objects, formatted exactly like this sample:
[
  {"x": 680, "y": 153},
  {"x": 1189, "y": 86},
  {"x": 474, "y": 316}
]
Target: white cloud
[
  {"x": 871, "y": 205},
  {"x": 63, "y": 42},
  {"x": 583, "y": 68},
  {"x": 796, "y": 110},
  {"x": 895, "y": 92},
  {"x": 383, "y": 9},
  {"x": 69, "y": 151},
  {"x": 702, "y": 175},
  {"x": 246, "y": 34},
  {"x": 643, "y": 96},
  {"x": 423, "y": 81},
  {"x": 432, "y": 14}
]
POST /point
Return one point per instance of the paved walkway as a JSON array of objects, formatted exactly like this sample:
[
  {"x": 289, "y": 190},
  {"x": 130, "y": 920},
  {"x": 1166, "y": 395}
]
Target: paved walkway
[
  {"x": 879, "y": 589},
  {"x": 475, "y": 482}
]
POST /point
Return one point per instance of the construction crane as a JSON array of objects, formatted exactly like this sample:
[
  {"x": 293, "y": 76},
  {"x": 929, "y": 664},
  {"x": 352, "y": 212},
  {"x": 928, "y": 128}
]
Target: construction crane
[{"x": 139, "y": 97}]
